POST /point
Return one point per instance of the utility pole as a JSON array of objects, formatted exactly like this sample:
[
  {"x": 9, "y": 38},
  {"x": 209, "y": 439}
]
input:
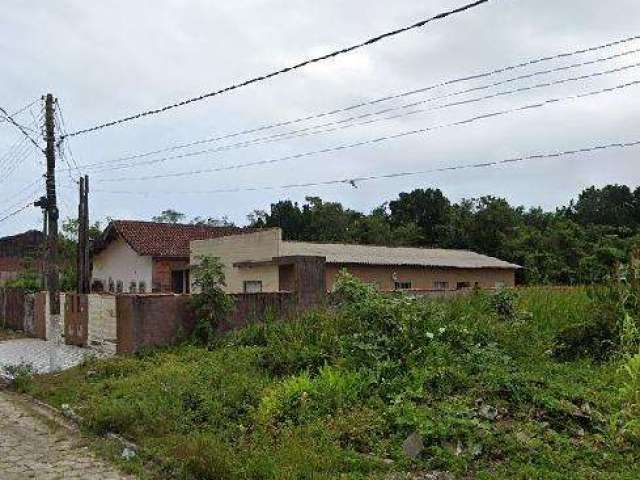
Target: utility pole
[
  {"x": 52, "y": 208},
  {"x": 83, "y": 261},
  {"x": 80, "y": 253}
]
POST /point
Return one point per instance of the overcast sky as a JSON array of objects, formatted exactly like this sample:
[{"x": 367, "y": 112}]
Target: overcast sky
[{"x": 104, "y": 60}]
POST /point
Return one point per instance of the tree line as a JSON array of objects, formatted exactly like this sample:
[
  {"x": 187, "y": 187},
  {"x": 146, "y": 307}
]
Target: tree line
[{"x": 575, "y": 244}]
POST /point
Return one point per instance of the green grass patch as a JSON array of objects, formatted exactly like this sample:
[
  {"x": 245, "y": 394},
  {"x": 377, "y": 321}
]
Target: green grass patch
[{"x": 336, "y": 393}]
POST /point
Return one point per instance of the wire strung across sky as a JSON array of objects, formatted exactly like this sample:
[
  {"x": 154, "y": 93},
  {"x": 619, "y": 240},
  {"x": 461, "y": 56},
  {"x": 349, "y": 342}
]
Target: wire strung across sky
[
  {"x": 16, "y": 212},
  {"x": 353, "y": 181},
  {"x": 282, "y": 71},
  {"x": 402, "y": 95},
  {"x": 340, "y": 125},
  {"x": 379, "y": 139},
  {"x": 20, "y": 127}
]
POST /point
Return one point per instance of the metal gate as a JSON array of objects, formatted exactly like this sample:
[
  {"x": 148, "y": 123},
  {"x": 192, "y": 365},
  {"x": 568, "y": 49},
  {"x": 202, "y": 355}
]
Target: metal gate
[{"x": 76, "y": 319}]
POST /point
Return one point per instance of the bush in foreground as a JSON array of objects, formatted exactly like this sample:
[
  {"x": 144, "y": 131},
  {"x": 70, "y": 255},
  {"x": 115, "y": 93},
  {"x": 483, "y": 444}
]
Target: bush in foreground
[{"x": 337, "y": 393}]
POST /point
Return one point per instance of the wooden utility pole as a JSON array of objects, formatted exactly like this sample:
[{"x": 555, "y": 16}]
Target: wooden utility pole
[
  {"x": 83, "y": 261},
  {"x": 52, "y": 208},
  {"x": 80, "y": 253}
]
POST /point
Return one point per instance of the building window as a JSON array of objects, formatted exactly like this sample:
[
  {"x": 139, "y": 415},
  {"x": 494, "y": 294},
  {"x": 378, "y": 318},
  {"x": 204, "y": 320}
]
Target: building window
[
  {"x": 402, "y": 285},
  {"x": 253, "y": 286},
  {"x": 132, "y": 287},
  {"x": 463, "y": 285},
  {"x": 112, "y": 285},
  {"x": 142, "y": 286},
  {"x": 438, "y": 285},
  {"x": 119, "y": 286},
  {"x": 180, "y": 281}
]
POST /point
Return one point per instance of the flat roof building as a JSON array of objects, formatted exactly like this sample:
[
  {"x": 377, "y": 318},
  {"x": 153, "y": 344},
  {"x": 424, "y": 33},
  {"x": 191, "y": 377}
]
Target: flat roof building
[{"x": 262, "y": 262}]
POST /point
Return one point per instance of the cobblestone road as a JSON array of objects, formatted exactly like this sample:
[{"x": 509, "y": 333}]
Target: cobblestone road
[
  {"x": 32, "y": 448},
  {"x": 41, "y": 356}
]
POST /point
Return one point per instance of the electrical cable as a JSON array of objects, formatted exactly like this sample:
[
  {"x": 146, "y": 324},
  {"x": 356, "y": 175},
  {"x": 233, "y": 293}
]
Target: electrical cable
[
  {"x": 282, "y": 71},
  {"x": 380, "y": 139},
  {"x": 353, "y": 181},
  {"x": 403, "y": 94}
]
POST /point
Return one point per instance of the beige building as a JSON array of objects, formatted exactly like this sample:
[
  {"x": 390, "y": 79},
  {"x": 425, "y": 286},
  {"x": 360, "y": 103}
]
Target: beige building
[{"x": 263, "y": 262}]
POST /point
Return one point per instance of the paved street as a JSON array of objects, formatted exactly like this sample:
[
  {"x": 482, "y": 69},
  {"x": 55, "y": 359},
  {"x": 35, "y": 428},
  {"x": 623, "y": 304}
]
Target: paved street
[
  {"x": 43, "y": 357},
  {"x": 31, "y": 447}
]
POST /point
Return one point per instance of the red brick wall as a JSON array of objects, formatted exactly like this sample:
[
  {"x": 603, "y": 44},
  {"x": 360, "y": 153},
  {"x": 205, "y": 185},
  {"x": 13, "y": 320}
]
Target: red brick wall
[{"x": 161, "y": 273}]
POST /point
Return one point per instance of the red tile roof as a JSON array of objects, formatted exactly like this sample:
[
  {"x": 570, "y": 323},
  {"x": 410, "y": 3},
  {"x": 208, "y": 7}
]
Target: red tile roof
[{"x": 162, "y": 239}]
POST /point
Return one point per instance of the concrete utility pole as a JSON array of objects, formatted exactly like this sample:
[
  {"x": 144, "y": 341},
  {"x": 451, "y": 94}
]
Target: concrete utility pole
[{"x": 52, "y": 208}]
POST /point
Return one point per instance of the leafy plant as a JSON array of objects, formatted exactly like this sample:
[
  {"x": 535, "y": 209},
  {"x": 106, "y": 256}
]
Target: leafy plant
[{"x": 211, "y": 303}]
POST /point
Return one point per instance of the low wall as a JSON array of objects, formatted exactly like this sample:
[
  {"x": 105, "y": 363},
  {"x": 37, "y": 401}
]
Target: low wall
[
  {"x": 158, "y": 320},
  {"x": 254, "y": 307},
  {"x": 102, "y": 322},
  {"x": 12, "y": 308},
  {"x": 151, "y": 320}
]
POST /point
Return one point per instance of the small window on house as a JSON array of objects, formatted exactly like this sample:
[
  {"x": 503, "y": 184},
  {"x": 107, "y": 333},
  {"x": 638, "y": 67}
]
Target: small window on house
[
  {"x": 253, "y": 286},
  {"x": 463, "y": 285},
  {"x": 112, "y": 285},
  {"x": 119, "y": 286},
  {"x": 142, "y": 287},
  {"x": 402, "y": 285},
  {"x": 438, "y": 285},
  {"x": 132, "y": 287}
]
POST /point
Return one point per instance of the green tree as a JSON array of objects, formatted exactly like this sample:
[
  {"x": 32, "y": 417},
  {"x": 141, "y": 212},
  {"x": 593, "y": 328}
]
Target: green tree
[
  {"x": 211, "y": 304},
  {"x": 428, "y": 209},
  {"x": 169, "y": 216}
]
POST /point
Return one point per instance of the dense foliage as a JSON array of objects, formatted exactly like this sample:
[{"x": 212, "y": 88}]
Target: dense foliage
[
  {"x": 577, "y": 244},
  {"x": 472, "y": 384}
]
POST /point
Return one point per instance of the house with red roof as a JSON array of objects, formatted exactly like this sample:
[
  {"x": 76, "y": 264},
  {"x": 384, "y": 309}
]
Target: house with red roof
[
  {"x": 18, "y": 252},
  {"x": 140, "y": 257}
]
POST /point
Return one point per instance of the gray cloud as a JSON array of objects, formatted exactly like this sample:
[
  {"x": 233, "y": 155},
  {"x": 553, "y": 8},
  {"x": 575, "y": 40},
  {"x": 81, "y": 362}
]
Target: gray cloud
[{"x": 104, "y": 60}]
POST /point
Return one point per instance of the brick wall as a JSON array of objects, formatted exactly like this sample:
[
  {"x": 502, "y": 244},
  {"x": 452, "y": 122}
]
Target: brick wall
[{"x": 161, "y": 273}]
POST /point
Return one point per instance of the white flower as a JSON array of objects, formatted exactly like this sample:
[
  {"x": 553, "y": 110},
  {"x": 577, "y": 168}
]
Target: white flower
[
  {"x": 430, "y": 335},
  {"x": 441, "y": 330}
]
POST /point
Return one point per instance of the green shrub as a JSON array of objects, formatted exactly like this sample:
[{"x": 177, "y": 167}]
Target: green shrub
[
  {"x": 301, "y": 397},
  {"x": 203, "y": 456},
  {"x": 211, "y": 303},
  {"x": 22, "y": 376},
  {"x": 505, "y": 304}
]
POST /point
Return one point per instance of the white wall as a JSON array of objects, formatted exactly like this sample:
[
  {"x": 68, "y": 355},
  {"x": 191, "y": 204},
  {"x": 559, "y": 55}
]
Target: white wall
[
  {"x": 102, "y": 323},
  {"x": 120, "y": 262},
  {"x": 260, "y": 246}
]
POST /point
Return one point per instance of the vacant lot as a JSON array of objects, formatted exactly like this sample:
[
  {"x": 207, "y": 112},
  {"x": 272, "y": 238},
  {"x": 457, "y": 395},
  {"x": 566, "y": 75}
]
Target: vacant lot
[{"x": 485, "y": 387}]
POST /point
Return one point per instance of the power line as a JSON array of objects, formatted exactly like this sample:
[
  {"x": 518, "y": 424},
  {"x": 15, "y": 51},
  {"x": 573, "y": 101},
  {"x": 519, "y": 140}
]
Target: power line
[
  {"x": 354, "y": 180},
  {"x": 282, "y": 71},
  {"x": 19, "y": 127},
  {"x": 402, "y": 95},
  {"x": 16, "y": 212},
  {"x": 340, "y": 124},
  {"x": 379, "y": 139},
  {"x": 19, "y": 111}
]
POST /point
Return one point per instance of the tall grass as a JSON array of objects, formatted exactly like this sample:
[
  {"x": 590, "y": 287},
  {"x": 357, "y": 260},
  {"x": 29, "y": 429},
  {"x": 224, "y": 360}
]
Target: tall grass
[{"x": 335, "y": 393}]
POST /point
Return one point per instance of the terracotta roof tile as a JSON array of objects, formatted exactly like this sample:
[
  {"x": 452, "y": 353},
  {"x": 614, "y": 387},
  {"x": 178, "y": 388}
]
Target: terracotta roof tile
[{"x": 164, "y": 239}]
